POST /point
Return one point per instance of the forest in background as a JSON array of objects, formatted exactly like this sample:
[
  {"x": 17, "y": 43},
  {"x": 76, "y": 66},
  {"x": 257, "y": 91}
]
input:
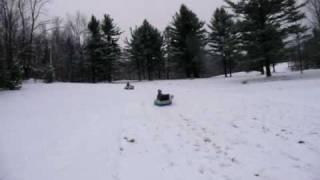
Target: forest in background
[{"x": 241, "y": 36}]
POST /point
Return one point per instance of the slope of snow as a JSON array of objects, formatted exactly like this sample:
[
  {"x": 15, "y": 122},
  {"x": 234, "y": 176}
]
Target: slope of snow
[{"x": 217, "y": 129}]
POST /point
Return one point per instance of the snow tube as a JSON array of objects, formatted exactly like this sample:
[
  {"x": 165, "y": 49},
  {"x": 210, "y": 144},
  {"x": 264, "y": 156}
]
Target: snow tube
[
  {"x": 168, "y": 102},
  {"x": 129, "y": 88}
]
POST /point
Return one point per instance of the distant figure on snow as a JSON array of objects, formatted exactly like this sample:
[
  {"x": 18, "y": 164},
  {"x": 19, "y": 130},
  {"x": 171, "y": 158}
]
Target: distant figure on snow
[{"x": 129, "y": 86}]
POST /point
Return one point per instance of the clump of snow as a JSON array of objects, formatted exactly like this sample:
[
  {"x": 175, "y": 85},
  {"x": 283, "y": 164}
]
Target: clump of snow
[{"x": 217, "y": 128}]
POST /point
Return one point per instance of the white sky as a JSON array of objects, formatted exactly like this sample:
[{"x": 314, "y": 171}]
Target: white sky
[{"x": 129, "y": 13}]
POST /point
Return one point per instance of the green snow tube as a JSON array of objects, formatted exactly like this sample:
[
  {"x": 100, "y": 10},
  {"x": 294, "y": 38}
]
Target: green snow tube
[{"x": 160, "y": 103}]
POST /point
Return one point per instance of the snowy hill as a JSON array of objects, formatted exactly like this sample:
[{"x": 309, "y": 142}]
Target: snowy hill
[{"x": 243, "y": 128}]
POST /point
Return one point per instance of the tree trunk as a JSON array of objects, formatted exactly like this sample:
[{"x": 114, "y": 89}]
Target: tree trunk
[
  {"x": 225, "y": 66},
  {"x": 196, "y": 73},
  {"x": 139, "y": 69},
  {"x": 230, "y": 68},
  {"x": 262, "y": 69},
  {"x": 188, "y": 73},
  {"x": 274, "y": 67},
  {"x": 93, "y": 74},
  {"x": 149, "y": 75},
  {"x": 267, "y": 65},
  {"x": 159, "y": 74},
  {"x": 300, "y": 54}
]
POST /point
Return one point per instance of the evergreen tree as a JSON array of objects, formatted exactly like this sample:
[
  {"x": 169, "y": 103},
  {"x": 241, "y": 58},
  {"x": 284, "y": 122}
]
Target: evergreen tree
[
  {"x": 2, "y": 68},
  {"x": 95, "y": 50},
  {"x": 49, "y": 74},
  {"x": 14, "y": 76},
  {"x": 223, "y": 38},
  {"x": 168, "y": 53},
  {"x": 145, "y": 49},
  {"x": 297, "y": 29},
  {"x": 264, "y": 27},
  {"x": 311, "y": 49},
  {"x": 71, "y": 57},
  {"x": 112, "y": 50},
  {"x": 187, "y": 42}
]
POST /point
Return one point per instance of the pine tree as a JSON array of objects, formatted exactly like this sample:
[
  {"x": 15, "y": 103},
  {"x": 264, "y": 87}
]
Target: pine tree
[
  {"x": 296, "y": 28},
  {"x": 112, "y": 50},
  {"x": 223, "y": 38},
  {"x": 49, "y": 75},
  {"x": 14, "y": 76},
  {"x": 188, "y": 41},
  {"x": 95, "y": 50},
  {"x": 2, "y": 68},
  {"x": 264, "y": 27},
  {"x": 168, "y": 53},
  {"x": 145, "y": 49},
  {"x": 311, "y": 49}
]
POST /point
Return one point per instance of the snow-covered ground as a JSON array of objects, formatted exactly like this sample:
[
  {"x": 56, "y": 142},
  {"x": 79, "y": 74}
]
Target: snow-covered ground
[{"x": 244, "y": 128}]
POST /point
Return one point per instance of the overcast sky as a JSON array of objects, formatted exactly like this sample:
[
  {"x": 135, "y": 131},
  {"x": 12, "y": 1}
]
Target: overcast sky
[{"x": 128, "y": 13}]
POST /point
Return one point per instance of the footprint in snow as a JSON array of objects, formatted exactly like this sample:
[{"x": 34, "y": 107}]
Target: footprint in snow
[
  {"x": 185, "y": 119},
  {"x": 167, "y": 148},
  {"x": 259, "y": 146},
  {"x": 291, "y": 157},
  {"x": 297, "y": 166},
  {"x": 207, "y": 140},
  {"x": 265, "y": 129},
  {"x": 282, "y": 136},
  {"x": 201, "y": 170},
  {"x": 190, "y": 163},
  {"x": 129, "y": 140},
  {"x": 218, "y": 151},
  {"x": 225, "y": 165},
  {"x": 234, "y": 160},
  {"x": 172, "y": 164},
  {"x": 313, "y": 133},
  {"x": 115, "y": 177},
  {"x": 210, "y": 158},
  {"x": 235, "y": 126},
  {"x": 196, "y": 145}
]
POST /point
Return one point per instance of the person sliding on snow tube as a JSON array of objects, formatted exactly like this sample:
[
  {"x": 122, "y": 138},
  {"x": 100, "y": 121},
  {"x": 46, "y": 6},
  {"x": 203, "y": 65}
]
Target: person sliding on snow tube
[
  {"x": 163, "y": 99},
  {"x": 129, "y": 86}
]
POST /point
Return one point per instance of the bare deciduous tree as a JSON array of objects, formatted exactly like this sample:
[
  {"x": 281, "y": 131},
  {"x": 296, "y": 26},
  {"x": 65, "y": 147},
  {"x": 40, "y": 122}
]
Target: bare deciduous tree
[
  {"x": 77, "y": 25},
  {"x": 36, "y": 8},
  {"x": 314, "y": 7}
]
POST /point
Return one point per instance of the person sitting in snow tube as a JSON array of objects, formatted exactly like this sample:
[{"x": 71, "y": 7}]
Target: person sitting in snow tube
[
  {"x": 163, "y": 99},
  {"x": 129, "y": 87}
]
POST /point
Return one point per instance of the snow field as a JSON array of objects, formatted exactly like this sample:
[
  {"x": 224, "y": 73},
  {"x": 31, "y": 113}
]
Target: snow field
[{"x": 216, "y": 129}]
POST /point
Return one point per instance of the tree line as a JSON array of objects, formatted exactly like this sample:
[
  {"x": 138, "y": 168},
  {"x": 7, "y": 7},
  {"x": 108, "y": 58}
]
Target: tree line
[{"x": 241, "y": 36}]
